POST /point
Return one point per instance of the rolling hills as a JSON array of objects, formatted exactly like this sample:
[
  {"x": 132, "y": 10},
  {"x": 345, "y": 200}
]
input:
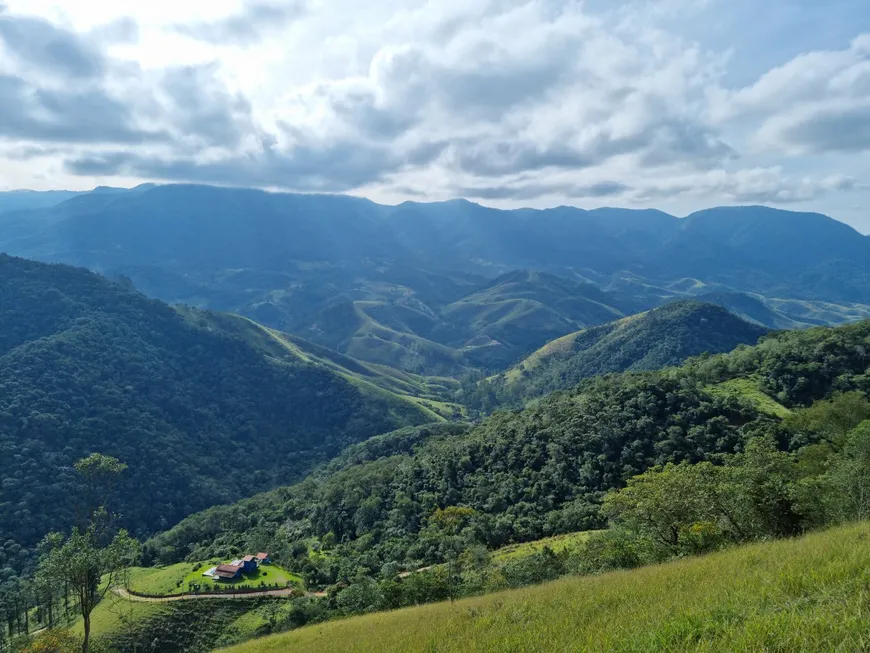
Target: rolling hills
[
  {"x": 414, "y": 286},
  {"x": 199, "y": 409},
  {"x": 659, "y": 338},
  {"x": 801, "y": 595}
]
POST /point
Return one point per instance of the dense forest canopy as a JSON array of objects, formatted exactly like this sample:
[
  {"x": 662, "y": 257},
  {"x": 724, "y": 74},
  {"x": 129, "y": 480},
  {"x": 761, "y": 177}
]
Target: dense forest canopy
[
  {"x": 198, "y": 415},
  {"x": 539, "y": 471}
]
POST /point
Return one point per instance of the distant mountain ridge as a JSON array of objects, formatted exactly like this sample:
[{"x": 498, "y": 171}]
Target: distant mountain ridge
[{"x": 397, "y": 285}]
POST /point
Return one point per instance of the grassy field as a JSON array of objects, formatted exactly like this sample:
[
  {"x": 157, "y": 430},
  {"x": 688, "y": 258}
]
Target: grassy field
[
  {"x": 176, "y": 579},
  {"x": 114, "y": 613},
  {"x": 748, "y": 389},
  {"x": 557, "y": 543},
  {"x": 808, "y": 594}
]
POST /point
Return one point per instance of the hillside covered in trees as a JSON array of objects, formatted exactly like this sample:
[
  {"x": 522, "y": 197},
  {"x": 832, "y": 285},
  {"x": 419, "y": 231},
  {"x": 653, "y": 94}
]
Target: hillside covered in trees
[
  {"x": 199, "y": 415},
  {"x": 541, "y": 471},
  {"x": 659, "y": 338}
]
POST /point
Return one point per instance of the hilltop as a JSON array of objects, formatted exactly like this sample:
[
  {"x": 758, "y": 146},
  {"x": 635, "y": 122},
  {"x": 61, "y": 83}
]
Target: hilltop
[
  {"x": 199, "y": 414},
  {"x": 652, "y": 340}
]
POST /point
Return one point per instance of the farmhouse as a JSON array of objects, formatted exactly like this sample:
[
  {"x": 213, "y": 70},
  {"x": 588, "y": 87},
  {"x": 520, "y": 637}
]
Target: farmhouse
[
  {"x": 249, "y": 564},
  {"x": 263, "y": 559},
  {"x": 228, "y": 572}
]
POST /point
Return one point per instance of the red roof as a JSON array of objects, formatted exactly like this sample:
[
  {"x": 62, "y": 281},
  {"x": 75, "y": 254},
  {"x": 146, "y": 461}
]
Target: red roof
[
  {"x": 228, "y": 569},
  {"x": 262, "y": 556},
  {"x": 248, "y": 558}
]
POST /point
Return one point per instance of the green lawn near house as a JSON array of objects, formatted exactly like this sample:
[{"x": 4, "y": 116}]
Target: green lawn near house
[
  {"x": 268, "y": 575},
  {"x": 178, "y": 578}
]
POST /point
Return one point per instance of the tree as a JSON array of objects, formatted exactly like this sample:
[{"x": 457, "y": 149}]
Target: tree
[
  {"x": 449, "y": 524},
  {"x": 849, "y": 477},
  {"x": 91, "y": 561},
  {"x": 664, "y": 503},
  {"x": 99, "y": 474},
  {"x": 87, "y": 568}
]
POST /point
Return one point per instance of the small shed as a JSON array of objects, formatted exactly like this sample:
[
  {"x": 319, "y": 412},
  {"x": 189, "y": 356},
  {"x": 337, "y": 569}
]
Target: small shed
[
  {"x": 249, "y": 563},
  {"x": 263, "y": 559}
]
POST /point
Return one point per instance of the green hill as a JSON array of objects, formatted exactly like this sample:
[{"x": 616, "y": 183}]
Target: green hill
[
  {"x": 200, "y": 416},
  {"x": 659, "y": 338},
  {"x": 536, "y": 472},
  {"x": 521, "y": 310},
  {"x": 802, "y": 595}
]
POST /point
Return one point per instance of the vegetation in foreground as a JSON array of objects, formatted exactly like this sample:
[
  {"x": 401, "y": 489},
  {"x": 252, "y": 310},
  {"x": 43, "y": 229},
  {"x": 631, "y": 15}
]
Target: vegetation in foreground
[{"x": 806, "y": 594}]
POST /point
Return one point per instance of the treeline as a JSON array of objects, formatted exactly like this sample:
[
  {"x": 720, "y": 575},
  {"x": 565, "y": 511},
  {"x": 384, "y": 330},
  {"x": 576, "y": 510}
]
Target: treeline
[
  {"x": 534, "y": 473},
  {"x": 198, "y": 414}
]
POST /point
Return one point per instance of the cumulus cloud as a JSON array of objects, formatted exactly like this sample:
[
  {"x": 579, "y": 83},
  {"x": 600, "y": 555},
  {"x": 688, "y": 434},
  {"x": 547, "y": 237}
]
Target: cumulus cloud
[
  {"x": 501, "y": 100},
  {"x": 815, "y": 103}
]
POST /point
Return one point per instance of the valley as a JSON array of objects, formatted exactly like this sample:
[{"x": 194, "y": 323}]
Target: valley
[{"x": 404, "y": 412}]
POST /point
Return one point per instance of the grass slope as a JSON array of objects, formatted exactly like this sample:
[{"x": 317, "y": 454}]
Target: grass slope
[
  {"x": 807, "y": 594},
  {"x": 659, "y": 338},
  {"x": 555, "y": 543}
]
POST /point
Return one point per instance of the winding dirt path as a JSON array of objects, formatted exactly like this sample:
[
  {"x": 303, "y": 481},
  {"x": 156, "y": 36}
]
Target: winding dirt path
[{"x": 122, "y": 592}]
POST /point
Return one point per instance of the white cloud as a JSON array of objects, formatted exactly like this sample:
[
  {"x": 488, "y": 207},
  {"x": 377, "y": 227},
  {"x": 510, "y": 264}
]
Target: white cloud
[{"x": 532, "y": 101}]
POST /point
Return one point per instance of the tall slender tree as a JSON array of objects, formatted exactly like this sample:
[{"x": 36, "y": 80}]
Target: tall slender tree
[{"x": 93, "y": 558}]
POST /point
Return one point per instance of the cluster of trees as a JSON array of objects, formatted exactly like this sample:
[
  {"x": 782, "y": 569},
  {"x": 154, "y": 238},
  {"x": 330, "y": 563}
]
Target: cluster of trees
[
  {"x": 533, "y": 473},
  {"x": 199, "y": 415},
  {"x": 669, "y": 511}
]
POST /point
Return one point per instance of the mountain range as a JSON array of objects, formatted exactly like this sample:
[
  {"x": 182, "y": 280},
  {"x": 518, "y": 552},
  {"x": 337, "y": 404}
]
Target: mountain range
[{"x": 422, "y": 287}]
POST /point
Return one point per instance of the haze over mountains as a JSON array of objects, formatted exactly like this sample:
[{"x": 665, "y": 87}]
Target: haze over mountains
[{"x": 421, "y": 287}]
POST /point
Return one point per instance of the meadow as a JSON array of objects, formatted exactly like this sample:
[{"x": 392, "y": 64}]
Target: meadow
[{"x": 805, "y": 594}]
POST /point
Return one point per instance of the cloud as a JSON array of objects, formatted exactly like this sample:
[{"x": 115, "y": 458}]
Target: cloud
[
  {"x": 751, "y": 185},
  {"x": 35, "y": 43},
  {"x": 816, "y": 103},
  {"x": 539, "y": 101},
  {"x": 66, "y": 116},
  {"x": 533, "y": 191},
  {"x": 245, "y": 27}
]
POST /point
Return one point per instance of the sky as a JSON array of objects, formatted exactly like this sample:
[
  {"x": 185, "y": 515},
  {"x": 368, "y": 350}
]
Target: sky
[{"x": 673, "y": 104}]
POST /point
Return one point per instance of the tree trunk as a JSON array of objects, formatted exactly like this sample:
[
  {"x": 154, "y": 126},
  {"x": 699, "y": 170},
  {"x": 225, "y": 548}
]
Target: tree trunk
[{"x": 86, "y": 642}]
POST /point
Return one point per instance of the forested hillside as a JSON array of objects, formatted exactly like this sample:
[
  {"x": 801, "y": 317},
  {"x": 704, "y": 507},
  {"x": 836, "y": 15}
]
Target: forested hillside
[
  {"x": 537, "y": 472},
  {"x": 198, "y": 414},
  {"x": 659, "y": 338}
]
